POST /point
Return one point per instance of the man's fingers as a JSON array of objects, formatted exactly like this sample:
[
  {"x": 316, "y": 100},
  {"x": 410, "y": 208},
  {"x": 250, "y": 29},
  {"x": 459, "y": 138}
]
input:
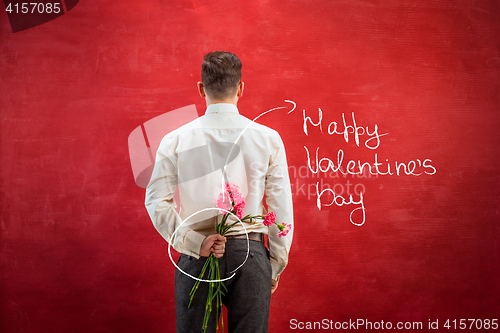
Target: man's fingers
[
  {"x": 218, "y": 251},
  {"x": 215, "y": 237},
  {"x": 219, "y": 246},
  {"x": 213, "y": 242},
  {"x": 220, "y": 243},
  {"x": 218, "y": 255},
  {"x": 220, "y": 238},
  {"x": 274, "y": 286}
]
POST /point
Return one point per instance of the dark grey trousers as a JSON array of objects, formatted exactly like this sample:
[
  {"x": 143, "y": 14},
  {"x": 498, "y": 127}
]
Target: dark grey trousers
[{"x": 249, "y": 291}]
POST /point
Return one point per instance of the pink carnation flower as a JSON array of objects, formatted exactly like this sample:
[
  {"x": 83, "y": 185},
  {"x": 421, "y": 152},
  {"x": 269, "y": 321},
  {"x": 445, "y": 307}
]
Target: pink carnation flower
[
  {"x": 231, "y": 200},
  {"x": 284, "y": 229},
  {"x": 238, "y": 199},
  {"x": 223, "y": 203},
  {"x": 239, "y": 209},
  {"x": 229, "y": 187},
  {"x": 233, "y": 192},
  {"x": 269, "y": 219}
]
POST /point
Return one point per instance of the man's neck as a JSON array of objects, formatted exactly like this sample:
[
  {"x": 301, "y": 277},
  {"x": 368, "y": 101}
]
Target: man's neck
[{"x": 210, "y": 101}]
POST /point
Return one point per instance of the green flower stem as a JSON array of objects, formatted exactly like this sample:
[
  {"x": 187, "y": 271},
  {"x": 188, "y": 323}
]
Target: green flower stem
[
  {"x": 216, "y": 290},
  {"x": 197, "y": 283},
  {"x": 219, "y": 294}
]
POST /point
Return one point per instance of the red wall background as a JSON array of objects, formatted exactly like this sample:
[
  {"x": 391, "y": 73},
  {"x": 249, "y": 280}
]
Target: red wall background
[{"x": 78, "y": 251}]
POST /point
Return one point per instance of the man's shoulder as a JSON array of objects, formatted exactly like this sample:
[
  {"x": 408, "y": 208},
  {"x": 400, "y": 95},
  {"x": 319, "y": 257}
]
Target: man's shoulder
[
  {"x": 192, "y": 125},
  {"x": 248, "y": 126},
  {"x": 171, "y": 139},
  {"x": 255, "y": 126}
]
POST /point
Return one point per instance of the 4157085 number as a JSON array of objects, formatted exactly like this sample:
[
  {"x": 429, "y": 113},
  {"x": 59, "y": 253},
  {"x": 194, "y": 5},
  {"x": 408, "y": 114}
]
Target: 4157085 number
[
  {"x": 34, "y": 8},
  {"x": 471, "y": 324}
]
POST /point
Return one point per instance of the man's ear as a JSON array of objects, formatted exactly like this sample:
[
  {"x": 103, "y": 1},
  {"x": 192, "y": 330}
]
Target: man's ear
[
  {"x": 241, "y": 86},
  {"x": 201, "y": 90}
]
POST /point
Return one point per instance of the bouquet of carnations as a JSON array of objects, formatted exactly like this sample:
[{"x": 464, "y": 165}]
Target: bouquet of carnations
[{"x": 230, "y": 202}]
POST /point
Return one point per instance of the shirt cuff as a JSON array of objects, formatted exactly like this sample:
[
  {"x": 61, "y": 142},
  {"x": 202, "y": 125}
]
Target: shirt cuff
[
  {"x": 277, "y": 269},
  {"x": 192, "y": 243}
]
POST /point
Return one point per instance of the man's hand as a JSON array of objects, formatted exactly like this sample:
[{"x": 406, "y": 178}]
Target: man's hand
[
  {"x": 215, "y": 244},
  {"x": 274, "y": 286}
]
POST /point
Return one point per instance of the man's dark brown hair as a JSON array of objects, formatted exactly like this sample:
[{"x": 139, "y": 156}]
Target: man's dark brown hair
[{"x": 220, "y": 74}]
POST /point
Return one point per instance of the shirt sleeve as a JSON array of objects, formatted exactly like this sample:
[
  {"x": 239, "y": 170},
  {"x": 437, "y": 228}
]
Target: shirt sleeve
[
  {"x": 161, "y": 205},
  {"x": 279, "y": 201}
]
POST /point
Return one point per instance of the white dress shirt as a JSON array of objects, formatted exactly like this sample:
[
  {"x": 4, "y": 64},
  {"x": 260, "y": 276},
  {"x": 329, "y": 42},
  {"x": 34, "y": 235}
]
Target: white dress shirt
[{"x": 197, "y": 158}]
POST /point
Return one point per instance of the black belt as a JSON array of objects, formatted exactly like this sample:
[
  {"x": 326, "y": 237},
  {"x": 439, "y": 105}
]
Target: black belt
[{"x": 256, "y": 236}]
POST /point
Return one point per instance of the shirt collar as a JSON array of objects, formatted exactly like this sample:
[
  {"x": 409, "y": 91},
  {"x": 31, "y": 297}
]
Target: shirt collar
[{"x": 222, "y": 108}]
